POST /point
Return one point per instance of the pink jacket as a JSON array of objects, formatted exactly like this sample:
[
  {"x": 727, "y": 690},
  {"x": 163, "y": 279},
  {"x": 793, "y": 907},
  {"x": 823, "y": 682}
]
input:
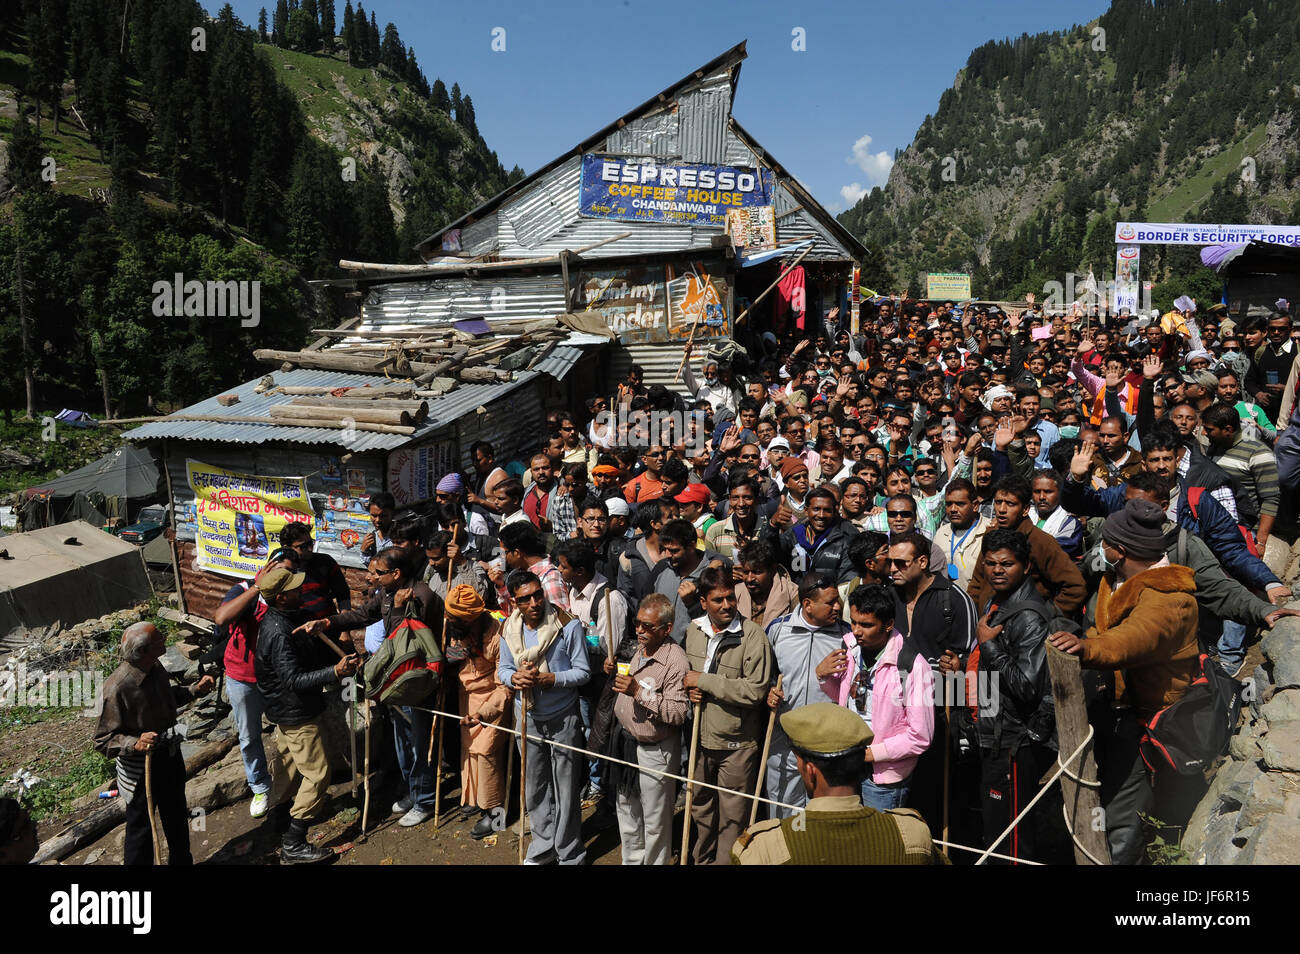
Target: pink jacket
[{"x": 902, "y": 729}]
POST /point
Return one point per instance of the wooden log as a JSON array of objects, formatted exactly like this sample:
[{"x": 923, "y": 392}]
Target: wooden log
[
  {"x": 330, "y": 361},
  {"x": 103, "y": 820},
  {"x": 359, "y": 415},
  {"x": 484, "y": 375},
  {"x": 343, "y": 329},
  {"x": 418, "y": 409},
  {"x": 1082, "y": 801},
  {"x": 352, "y": 394}
]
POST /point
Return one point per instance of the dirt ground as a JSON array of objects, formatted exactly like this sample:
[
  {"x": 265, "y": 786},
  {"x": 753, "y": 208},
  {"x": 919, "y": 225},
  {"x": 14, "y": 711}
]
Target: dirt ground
[{"x": 231, "y": 837}]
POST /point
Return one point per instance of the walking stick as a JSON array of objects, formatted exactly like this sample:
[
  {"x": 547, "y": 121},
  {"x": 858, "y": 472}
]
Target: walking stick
[
  {"x": 762, "y": 763},
  {"x": 352, "y": 736},
  {"x": 947, "y": 759},
  {"x": 523, "y": 770},
  {"x": 690, "y": 779},
  {"x": 148, "y": 794},
  {"x": 436, "y": 731},
  {"x": 365, "y": 806}
]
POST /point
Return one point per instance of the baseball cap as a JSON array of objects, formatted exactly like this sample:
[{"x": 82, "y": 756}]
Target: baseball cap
[
  {"x": 694, "y": 493},
  {"x": 280, "y": 581},
  {"x": 1205, "y": 379}
]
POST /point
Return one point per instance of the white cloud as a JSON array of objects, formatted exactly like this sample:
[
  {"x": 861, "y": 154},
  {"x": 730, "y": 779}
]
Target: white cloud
[
  {"x": 876, "y": 166},
  {"x": 851, "y": 193}
]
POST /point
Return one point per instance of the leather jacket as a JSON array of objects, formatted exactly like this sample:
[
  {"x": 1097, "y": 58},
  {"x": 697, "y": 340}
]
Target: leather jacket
[
  {"x": 290, "y": 674},
  {"x": 1015, "y": 661},
  {"x": 831, "y": 557}
]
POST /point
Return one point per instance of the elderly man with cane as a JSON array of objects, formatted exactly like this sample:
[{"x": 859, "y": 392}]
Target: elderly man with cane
[{"x": 137, "y": 727}]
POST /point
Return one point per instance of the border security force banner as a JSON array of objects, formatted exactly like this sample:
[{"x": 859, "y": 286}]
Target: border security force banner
[
  {"x": 239, "y": 516},
  {"x": 642, "y": 190},
  {"x": 1178, "y": 233}
]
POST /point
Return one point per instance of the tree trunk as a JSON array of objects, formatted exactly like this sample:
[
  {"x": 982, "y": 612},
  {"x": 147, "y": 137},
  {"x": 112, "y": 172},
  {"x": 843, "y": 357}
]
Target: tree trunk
[{"x": 29, "y": 374}]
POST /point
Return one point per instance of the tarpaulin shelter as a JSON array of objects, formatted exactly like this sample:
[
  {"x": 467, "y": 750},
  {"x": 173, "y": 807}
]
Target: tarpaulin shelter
[
  {"x": 71, "y": 572},
  {"x": 114, "y": 487},
  {"x": 1256, "y": 274}
]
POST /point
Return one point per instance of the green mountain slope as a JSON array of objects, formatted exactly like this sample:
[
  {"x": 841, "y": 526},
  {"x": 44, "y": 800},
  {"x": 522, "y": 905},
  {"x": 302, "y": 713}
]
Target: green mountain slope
[
  {"x": 1042, "y": 143},
  {"x": 233, "y": 158}
]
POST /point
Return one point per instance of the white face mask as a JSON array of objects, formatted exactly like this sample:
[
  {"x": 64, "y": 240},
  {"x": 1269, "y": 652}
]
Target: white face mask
[{"x": 1099, "y": 562}]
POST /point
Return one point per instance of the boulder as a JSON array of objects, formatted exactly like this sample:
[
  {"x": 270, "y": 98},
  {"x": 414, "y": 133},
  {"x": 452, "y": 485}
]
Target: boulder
[
  {"x": 188, "y": 650},
  {"x": 174, "y": 662},
  {"x": 1282, "y": 647},
  {"x": 1280, "y": 748},
  {"x": 1276, "y": 841},
  {"x": 1228, "y": 789},
  {"x": 1283, "y": 706},
  {"x": 1244, "y": 748},
  {"x": 1267, "y": 796}
]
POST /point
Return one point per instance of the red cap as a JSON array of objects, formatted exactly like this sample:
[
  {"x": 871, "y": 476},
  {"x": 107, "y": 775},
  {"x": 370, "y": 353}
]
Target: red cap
[{"x": 694, "y": 493}]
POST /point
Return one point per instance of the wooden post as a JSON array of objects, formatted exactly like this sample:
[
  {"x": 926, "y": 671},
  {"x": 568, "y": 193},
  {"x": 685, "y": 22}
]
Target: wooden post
[
  {"x": 171, "y": 504},
  {"x": 690, "y": 778},
  {"x": 768, "y": 290},
  {"x": 947, "y": 759},
  {"x": 1082, "y": 801},
  {"x": 564, "y": 276},
  {"x": 435, "y": 750},
  {"x": 762, "y": 762}
]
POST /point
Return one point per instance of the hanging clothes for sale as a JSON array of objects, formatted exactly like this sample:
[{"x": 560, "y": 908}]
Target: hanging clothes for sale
[{"x": 790, "y": 298}]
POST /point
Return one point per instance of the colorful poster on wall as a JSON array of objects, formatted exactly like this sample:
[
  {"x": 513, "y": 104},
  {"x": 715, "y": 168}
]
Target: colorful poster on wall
[
  {"x": 643, "y": 190},
  {"x": 752, "y": 228},
  {"x": 696, "y": 299},
  {"x": 238, "y": 517},
  {"x": 414, "y": 472}
]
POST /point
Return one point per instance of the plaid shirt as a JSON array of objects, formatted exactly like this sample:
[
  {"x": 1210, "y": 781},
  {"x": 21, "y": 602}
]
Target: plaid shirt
[{"x": 557, "y": 594}]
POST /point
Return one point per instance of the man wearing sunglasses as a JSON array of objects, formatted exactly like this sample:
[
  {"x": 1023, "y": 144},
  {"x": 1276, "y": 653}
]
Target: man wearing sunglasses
[
  {"x": 934, "y": 616},
  {"x": 544, "y": 659}
]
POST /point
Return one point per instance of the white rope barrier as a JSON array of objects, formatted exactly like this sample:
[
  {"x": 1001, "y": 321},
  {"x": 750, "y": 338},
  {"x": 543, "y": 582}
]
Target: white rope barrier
[
  {"x": 683, "y": 779},
  {"x": 1046, "y": 787}
]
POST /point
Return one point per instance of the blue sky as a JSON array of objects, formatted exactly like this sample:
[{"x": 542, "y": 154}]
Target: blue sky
[{"x": 832, "y": 114}]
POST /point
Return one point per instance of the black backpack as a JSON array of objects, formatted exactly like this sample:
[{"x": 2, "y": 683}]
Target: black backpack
[{"x": 1194, "y": 731}]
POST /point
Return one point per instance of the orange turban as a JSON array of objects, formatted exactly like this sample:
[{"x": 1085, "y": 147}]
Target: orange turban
[{"x": 464, "y": 604}]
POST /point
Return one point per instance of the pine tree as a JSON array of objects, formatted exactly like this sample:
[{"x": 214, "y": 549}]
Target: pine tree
[
  {"x": 47, "y": 46},
  {"x": 455, "y": 99},
  {"x": 261, "y": 25},
  {"x": 279, "y": 23},
  {"x": 465, "y": 116},
  {"x": 25, "y": 155},
  {"x": 327, "y": 25},
  {"x": 391, "y": 53},
  {"x": 361, "y": 34},
  {"x": 438, "y": 96},
  {"x": 372, "y": 40},
  {"x": 310, "y": 8},
  {"x": 349, "y": 32}
]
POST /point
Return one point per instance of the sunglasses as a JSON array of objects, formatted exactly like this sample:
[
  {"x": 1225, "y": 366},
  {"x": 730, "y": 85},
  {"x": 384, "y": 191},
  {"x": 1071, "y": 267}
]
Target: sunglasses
[
  {"x": 900, "y": 564},
  {"x": 530, "y": 597},
  {"x": 926, "y": 473},
  {"x": 900, "y": 513}
]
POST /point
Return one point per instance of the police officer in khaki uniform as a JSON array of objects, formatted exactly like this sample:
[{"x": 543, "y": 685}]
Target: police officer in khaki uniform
[{"x": 836, "y": 828}]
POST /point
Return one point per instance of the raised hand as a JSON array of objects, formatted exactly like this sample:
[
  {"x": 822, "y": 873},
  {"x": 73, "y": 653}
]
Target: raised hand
[
  {"x": 1081, "y": 462},
  {"x": 1152, "y": 366}
]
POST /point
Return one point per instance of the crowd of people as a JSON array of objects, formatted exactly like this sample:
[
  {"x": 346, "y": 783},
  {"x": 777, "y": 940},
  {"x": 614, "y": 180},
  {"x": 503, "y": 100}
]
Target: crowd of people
[{"x": 829, "y": 580}]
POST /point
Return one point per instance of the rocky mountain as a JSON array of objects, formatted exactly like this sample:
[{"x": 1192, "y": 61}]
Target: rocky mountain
[{"x": 1179, "y": 110}]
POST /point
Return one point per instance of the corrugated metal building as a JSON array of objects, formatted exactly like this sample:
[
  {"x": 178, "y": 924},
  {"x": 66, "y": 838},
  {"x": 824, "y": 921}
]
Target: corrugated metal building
[
  {"x": 539, "y": 219},
  {"x": 660, "y": 277}
]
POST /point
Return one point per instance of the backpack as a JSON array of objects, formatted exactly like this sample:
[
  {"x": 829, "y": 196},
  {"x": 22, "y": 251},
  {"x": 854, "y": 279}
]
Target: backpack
[
  {"x": 1192, "y": 732},
  {"x": 598, "y": 645},
  {"x": 407, "y": 668}
]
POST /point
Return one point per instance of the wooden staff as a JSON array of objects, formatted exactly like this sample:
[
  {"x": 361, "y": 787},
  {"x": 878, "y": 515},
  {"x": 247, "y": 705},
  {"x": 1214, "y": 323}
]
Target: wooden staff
[
  {"x": 365, "y": 805},
  {"x": 762, "y": 762},
  {"x": 352, "y": 736},
  {"x": 690, "y": 778},
  {"x": 947, "y": 761},
  {"x": 523, "y": 770},
  {"x": 148, "y": 794},
  {"x": 442, "y": 698}
]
